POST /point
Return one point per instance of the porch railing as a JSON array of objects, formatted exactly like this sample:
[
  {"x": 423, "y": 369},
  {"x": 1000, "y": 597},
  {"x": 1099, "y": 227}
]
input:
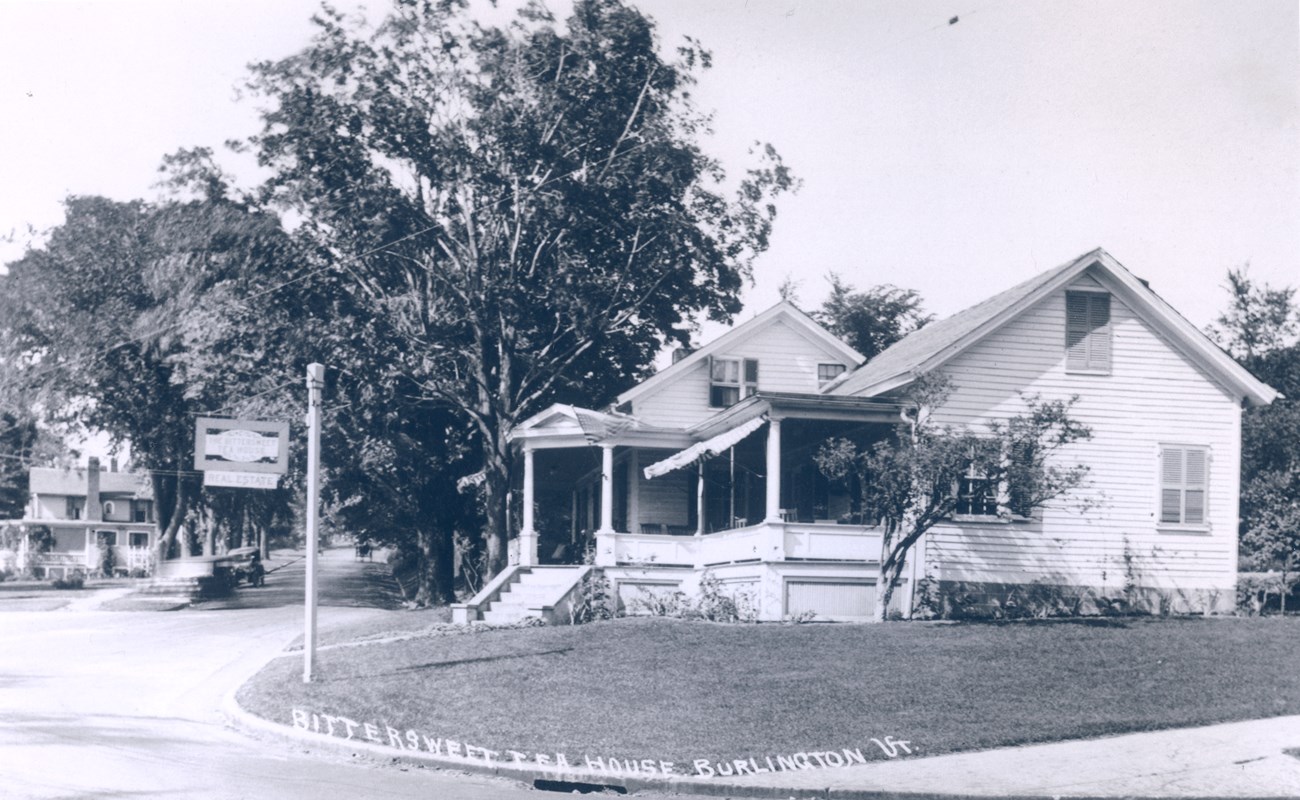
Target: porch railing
[
  {"x": 831, "y": 542},
  {"x": 780, "y": 541}
]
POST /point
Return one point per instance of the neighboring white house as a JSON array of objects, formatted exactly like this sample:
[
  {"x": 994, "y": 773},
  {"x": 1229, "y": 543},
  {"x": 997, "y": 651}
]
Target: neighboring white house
[
  {"x": 88, "y": 510},
  {"x": 708, "y": 464}
]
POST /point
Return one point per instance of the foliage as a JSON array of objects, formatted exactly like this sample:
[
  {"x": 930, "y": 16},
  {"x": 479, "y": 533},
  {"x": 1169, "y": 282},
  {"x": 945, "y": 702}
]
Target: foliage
[
  {"x": 74, "y": 581},
  {"x": 525, "y": 208},
  {"x": 913, "y": 480},
  {"x": 1259, "y": 318},
  {"x": 132, "y": 318},
  {"x": 593, "y": 599},
  {"x": 17, "y": 438},
  {"x": 712, "y": 602},
  {"x": 40, "y": 538},
  {"x": 1259, "y": 328},
  {"x": 871, "y": 320},
  {"x": 1271, "y": 540}
]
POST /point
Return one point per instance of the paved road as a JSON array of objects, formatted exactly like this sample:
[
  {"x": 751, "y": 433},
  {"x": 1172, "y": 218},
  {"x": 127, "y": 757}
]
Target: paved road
[{"x": 102, "y": 704}]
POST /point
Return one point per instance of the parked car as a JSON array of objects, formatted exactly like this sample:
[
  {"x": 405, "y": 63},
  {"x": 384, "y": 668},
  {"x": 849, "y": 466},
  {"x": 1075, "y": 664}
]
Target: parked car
[{"x": 245, "y": 564}]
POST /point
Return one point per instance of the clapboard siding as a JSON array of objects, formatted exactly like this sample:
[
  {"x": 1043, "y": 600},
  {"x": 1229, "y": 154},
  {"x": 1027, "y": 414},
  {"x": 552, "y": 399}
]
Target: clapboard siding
[
  {"x": 1153, "y": 395},
  {"x": 667, "y": 499},
  {"x": 787, "y": 362}
]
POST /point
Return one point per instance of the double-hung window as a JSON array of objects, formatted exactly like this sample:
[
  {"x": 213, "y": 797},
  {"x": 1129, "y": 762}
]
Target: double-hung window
[
  {"x": 731, "y": 380},
  {"x": 1184, "y": 478},
  {"x": 1087, "y": 332},
  {"x": 977, "y": 493}
]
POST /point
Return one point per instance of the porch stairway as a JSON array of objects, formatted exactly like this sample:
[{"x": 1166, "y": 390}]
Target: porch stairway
[{"x": 524, "y": 592}]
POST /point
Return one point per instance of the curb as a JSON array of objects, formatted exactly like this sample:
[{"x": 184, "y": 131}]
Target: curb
[
  {"x": 570, "y": 781},
  {"x": 584, "y": 781}
]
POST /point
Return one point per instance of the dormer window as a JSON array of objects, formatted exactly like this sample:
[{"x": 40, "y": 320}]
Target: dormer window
[
  {"x": 1087, "y": 332},
  {"x": 731, "y": 380},
  {"x": 827, "y": 373}
]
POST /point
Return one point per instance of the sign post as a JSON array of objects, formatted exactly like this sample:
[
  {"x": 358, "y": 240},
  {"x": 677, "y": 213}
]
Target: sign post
[{"x": 315, "y": 383}]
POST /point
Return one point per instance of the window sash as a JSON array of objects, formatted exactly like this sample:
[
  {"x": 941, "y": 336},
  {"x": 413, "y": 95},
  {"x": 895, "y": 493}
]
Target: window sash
[
  {"x": 1184, "y": 479},
  {"x": 731, "y": 380},
  {"x": 828, "y": 372}
]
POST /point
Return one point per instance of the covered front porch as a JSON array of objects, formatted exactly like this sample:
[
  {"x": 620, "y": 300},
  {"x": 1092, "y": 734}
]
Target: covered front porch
[{"x": 740, "y": 487}]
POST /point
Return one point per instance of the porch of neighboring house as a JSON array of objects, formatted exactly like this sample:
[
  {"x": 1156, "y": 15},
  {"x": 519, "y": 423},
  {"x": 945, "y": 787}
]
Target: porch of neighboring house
[
  {"x": 81, "y": 548},
  {"x": 738, "y": 496}
]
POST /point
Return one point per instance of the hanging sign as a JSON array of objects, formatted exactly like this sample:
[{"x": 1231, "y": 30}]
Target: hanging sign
[{"x": 240, "y": 446}]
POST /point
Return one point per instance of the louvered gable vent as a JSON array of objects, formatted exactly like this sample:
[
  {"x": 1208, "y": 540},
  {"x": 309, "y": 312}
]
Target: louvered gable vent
[{"x": 1087, "y": 332}]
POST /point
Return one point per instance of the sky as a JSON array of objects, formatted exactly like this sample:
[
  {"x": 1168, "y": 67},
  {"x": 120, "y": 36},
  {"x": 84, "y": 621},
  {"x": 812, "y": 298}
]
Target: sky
[{"x": 956, "y": 159}]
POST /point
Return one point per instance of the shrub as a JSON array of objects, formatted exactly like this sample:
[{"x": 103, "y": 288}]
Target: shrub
[
  {"x": 74, "y": 581},
  {"x": 592, "y": 600},
  {"x": 712, "y": 603}
]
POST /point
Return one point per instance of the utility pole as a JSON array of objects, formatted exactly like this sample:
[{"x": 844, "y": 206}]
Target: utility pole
[{"x": 315, "y": 383}]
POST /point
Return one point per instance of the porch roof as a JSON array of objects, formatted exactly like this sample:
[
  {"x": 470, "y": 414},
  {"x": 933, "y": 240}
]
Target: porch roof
[
  {"x": 564, "y": 425},
  {"x": 783, "y": 405}
]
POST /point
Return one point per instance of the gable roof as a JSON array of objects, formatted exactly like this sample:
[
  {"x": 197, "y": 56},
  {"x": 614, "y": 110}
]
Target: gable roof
[
  {"x": 781, "y": 312},
  {"x": 937, "y": 343},
  {"x": 72, "y": 482}
]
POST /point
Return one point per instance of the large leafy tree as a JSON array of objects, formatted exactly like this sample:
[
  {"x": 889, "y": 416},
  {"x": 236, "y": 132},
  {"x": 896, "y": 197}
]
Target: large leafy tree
[
  {"x": 1258, "y": 328},
  {"x": 18, "y": 439},
  {"x": 1259, "y": 318},
  {"x": 920, "y": 475},
  {"x": 526, "y": 206},
  {"x": 873, "y": 319},
  {"x": 129, "y": 319}
]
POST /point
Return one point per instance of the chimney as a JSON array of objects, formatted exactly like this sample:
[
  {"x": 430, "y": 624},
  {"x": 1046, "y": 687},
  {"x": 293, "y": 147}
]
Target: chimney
[
  {"x": 94, "y": 510},
  {"x": 680, "y": 353},
  {"x": 112, "y": 464}
]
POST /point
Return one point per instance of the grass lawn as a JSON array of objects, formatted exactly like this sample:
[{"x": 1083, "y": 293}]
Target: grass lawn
[{"x": 674, "y": 690}]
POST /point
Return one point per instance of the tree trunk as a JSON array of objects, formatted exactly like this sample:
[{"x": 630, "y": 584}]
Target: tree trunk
[
  {"x": 175, "y": 511},
  {"x": 436, "y": 572},
  {"x": 496, "y": 490},
  {"x": 884, "y": 584}
]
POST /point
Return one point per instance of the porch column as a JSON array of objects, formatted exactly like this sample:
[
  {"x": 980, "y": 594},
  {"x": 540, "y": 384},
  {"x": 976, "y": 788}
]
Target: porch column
[
  {"x": 634, "y": 492},
  {"x": 527, "y": 532},
  {"x": 699, "y": 499},
  {"x": 606, "y": 554},
  {"x": 606, "y": 489},
  {"x": 773, "y": 470}
]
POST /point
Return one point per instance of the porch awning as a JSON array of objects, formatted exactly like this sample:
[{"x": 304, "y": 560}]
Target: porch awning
[{"x": 704, "y": 449}]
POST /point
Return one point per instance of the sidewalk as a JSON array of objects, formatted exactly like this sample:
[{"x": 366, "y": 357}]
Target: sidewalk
[{"x": 1237, "y": 759}]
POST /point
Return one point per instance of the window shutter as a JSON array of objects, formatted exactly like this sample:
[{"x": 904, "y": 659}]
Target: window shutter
[
  {"x": 1076, "y": 330},
  {"x": 1194, "y": 479},
  {"x": 750, "y": 376},
  {"x": 1171, "y": 484},
  {"x": 1183, "y": 480},
  {"x": 1087, "y": 331},
  {"x": 1099, "y": 331}
]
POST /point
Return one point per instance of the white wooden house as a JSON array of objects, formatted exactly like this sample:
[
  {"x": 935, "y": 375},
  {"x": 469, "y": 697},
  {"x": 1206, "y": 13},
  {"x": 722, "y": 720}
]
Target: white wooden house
[
  {"x": 87, "y": 511},
  {"x": 706, "y": 467}
]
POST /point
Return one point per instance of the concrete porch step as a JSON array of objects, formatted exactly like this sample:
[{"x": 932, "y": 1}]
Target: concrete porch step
[{"x": 531, "y": 588}]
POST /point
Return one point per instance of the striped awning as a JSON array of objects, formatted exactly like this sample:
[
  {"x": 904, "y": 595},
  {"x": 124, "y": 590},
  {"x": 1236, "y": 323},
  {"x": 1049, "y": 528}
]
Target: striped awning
[{"x": 704, "y": 449}]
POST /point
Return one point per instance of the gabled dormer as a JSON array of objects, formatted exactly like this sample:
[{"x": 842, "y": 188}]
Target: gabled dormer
[{"x": 780, "y": 350}]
